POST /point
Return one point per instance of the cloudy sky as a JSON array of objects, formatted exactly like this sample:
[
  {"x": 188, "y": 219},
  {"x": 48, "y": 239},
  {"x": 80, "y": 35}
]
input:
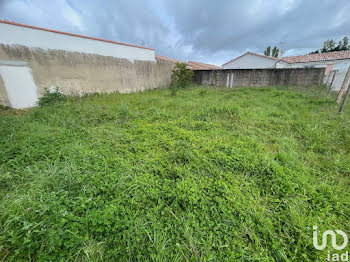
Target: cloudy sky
[{"x": 200, "y": 30}]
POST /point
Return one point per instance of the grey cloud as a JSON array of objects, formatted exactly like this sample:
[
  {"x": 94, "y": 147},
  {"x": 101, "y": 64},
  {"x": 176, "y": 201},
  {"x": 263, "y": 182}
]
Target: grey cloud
[{"x": 233, "y": 25}]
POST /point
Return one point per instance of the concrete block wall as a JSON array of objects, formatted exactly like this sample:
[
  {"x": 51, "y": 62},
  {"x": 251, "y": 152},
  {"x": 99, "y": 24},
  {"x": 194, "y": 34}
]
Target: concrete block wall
[
  {"x": 259, "y": 77},
  {"x": 79, "y": 73}
]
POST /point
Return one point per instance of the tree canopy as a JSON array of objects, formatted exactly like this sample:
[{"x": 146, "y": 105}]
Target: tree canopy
[
  {"x": 275, "y": 51},
  {"x": 331, "y": 46}
]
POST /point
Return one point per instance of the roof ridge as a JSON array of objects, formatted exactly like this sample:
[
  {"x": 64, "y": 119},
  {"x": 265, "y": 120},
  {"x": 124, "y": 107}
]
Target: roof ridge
[
  {"x": 252, "y": 53},
  {"x": 201, "y": 65},
  {"x": 266, "y": 56},
  {"x": 166, "y": 58}
]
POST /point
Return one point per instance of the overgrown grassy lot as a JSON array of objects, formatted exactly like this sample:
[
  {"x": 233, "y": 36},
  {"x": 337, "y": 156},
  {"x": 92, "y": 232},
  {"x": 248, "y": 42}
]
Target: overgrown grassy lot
[{"x": 211, "y": 174}]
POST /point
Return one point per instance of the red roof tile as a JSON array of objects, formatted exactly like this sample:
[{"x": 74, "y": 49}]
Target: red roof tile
[
  {"x": 168, "y": 59},
  {"x": 201, "y": 66},
  {"x": 338, "y": 55}
]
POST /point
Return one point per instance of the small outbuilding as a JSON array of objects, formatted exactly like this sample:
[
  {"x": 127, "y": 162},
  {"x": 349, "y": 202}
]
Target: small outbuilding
[{"x": 250, "y": 60}]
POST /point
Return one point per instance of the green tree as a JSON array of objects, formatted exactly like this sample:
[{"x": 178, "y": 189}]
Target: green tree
[
  {"x": 339, "y": 46},
  {"x": 328, "y": 46},
  {"x": 267, "y": 52},
  {"x": 345, "y": 44},
  {"x": 181, "y": 77},
  {"x": 314, "y": 52},
  {"x": 275, "y": 52}
]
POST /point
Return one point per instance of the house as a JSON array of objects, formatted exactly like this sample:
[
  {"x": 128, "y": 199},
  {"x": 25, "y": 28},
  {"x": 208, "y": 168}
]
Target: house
[
  {"x": 335, "y": 64},
  {"x": 318, "y": 60},
  {"x": 250, "y": 60}
]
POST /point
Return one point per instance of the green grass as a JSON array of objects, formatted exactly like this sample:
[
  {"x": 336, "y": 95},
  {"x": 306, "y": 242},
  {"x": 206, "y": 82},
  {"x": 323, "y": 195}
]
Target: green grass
[{"x": 211, "y": 174}]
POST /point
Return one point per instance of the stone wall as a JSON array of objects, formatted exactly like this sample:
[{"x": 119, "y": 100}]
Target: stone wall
[
  {"x": 259, "y": 77},
  {"x": 79, "y": 73}
]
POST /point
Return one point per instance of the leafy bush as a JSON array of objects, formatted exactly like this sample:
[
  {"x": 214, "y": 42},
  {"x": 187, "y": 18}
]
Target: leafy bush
[
  {"x": 51, "y": 96},
  {"x": 181, "y": 77}
]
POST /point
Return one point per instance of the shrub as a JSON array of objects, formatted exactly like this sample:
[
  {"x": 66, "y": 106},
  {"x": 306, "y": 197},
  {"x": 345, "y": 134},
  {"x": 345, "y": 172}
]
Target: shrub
[
  {"x": 51, "y": 96},
  {"x": 181, "y": 77}
]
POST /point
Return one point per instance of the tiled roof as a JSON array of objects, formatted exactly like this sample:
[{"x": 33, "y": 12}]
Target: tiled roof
[
  {"x": 338, "y": 55},
  {"x": 64, "y": 33},
  {"x": 201, "y": 66},
  {"x": 190, "y": 64},
  {"x": 168, "y": 59}
]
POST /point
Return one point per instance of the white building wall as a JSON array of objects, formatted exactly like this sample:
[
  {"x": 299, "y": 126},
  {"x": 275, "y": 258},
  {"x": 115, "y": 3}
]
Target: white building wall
[
  {"x": 318, "y": 63},
  {"x": 338, "y": 81},
  {"x": 250, "y": 61},
  {"x": 281, "y": 64},
  {"x": 340, "y": 72},
  {"x": 19, "y": 35}
]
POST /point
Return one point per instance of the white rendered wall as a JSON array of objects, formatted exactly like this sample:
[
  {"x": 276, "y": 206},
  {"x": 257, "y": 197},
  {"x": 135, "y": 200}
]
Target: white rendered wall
[
  {"x": 338, "y": 81},
  {"x": 319, "y": 63},
  {"x": 19, "y": 35},
  {"x": 340, "y": 72},
  {"x": 19, "y": 84},
  {"x": 281, "y": 64},
  {"x": 250, "y": 61}
]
